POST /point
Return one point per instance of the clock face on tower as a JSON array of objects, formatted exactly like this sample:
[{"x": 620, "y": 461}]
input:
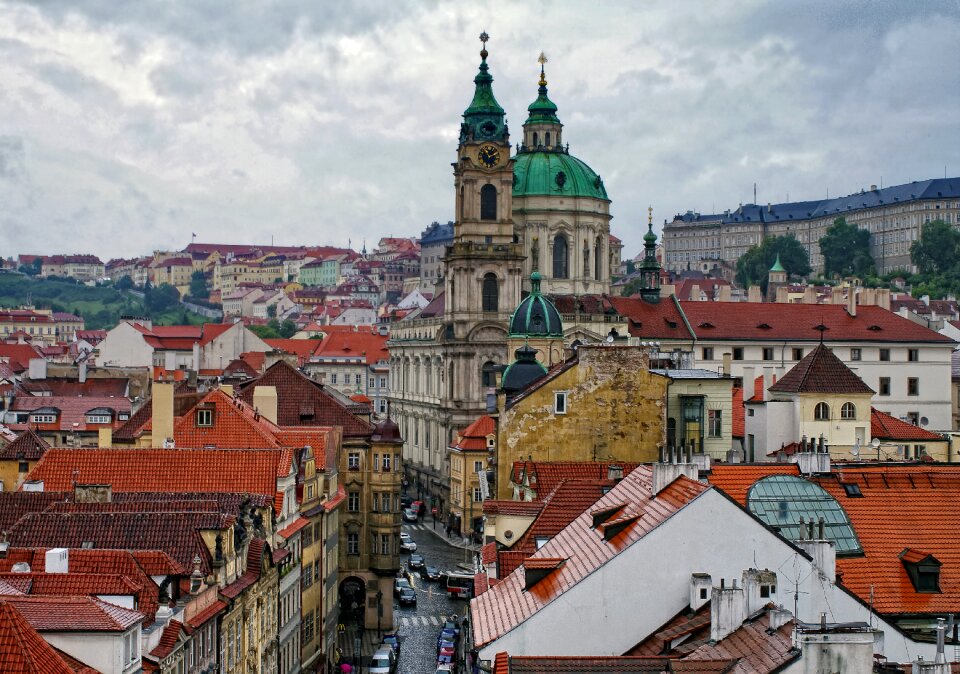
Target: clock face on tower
[{"x": 489, "y": 156}]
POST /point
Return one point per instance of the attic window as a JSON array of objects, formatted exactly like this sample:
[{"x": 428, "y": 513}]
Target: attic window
[
  {"x": 613, "y": 527},
  {"x": 603, "y": 514},
  {"x": 923, "y": 570},
  {"x": 875, "y": 328},
  {"x": 705, "y": 324},
  {"x": 535, "y": 570},
  {"x": 670, "y": 323},
  {"x": 764, "y": 326},
  {"x": 204, "y": 417},
  {"x": 86, "y": 545},
  {"x": 852, "y": 489}
]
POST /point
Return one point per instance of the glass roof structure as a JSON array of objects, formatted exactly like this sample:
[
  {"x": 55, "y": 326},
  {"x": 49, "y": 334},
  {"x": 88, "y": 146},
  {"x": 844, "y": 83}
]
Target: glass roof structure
[{"x": 781, "y": 500}]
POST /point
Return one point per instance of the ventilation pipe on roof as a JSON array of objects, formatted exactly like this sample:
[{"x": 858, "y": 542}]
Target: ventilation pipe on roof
[{"x": 851, "y": 302}]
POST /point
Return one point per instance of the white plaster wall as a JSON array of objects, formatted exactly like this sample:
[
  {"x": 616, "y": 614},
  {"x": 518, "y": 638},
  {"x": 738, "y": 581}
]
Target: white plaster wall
[
  {"x": 644, "y": 586},
  {"x": 124, "y": 346},
  {"x": 102, "y": 651}
]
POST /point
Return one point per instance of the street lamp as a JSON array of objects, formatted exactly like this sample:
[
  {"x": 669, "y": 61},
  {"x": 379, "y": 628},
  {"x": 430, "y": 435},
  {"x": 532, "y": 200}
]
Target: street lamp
[{"x": 379, "y": 614}]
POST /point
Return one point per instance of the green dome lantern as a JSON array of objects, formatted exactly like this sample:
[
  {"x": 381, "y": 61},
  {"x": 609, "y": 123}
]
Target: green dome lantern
[
  {"x": 484, "y": 118},
  {"x": 536, "y": 316}
]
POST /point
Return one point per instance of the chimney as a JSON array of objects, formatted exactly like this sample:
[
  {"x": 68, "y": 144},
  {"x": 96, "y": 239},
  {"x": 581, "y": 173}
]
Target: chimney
[
  {"x": 615, "y": 472},
  {"x": 265, "y": 401},
  {"x": 82, "y": 371},
  {"x": 724, "y": 293},
  {"x": 37, "y": 369},
  {"x": 57, "y": 560},
  {"x": 851, "y": 301},
  {"x": 883, "y": 298},
  {"x": 753, "y": 295},
  {"x": 727, "y": 359},
  {"x": 809, "y": 295},
  {"x": 783, "y": 295},
  {"x": 227, "y": 388},
  {"x": 822, "y": 551},
  {"x": 836, "y": 295},
  {"x": 767, "y": 382},
  {"x": 727, "y": 611},
  {"x": 694, "y": 293},
  {"x": 665, "y": 473},
  {"x": 92, "y": 493},
  {"x": 700, "y": 585},
  {"x": 754, "y": 582},
  {"x": 826, "y": 648},
  {"x": 105, "y": 437},
  {"x": 162, "y": 408},
  {"x": 778, "y": 617},
  {"x": 749, "y": 375}
]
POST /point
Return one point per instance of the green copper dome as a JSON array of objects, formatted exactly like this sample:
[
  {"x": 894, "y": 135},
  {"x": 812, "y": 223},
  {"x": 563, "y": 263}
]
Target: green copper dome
[
  {"x": 484, "y": 118},
  {"x": 555, "y": 174},
  {"x": 523, "y": 371},
  {"x": 776, "y": 265},
  {"x": 536, "y": 316}
]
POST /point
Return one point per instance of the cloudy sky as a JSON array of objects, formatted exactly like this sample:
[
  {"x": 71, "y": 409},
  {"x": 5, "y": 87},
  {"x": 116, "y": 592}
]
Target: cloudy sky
[{"x": 128, "y": 126}]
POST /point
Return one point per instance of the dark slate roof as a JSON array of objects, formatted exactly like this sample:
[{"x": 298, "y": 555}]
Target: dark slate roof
[
  {"x": 303, "y": 402},
  {"x": 27, "y": 446},
  {"x": 937, "y": 188},
  {"x": 820, "y": 372},
  {"x": 437, "y": 233}
]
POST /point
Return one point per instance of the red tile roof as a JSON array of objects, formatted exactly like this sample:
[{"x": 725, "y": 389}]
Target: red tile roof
[
  {"x": 73, "y": 409},
  {"x": 20, "y": 355},
  {"x": 508, "y": 604},
  {"x": 901, "y": 507},
  {"x": 475, "y": 435},
  {"x": 301, "y": 348},
  {"x": 252, "y": 574},
  {"x": 28, "y": 446},
  {"x": 546, "y": 476},
  {"x": 820, "y": 371},
  {"x": 366, "y": 343},
  {"x": 206, "y": 614},
  {"x": 886, "y": 427},
  {"x": 738, "y": 421},
  {"x": 74, "y": 614},
  {"x": 289, "y": 530},
  {"x": 16, "y": 504},
  {"x": 23, "y": 650},
  {"x": 660, "y": 320},
  {"x": 183, "y": 470},
  {"x": 168, "y": 639},
  {"x": 748, "y": 321}
]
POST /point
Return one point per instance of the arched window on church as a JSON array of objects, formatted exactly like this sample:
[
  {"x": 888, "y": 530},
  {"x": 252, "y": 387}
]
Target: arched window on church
[
  {"x": 561, "y": 257},
  {"x": 597, "y": 258},
  {"x": 490, "y": 292},
  {"x": 536, "y": 139},
  {"x": 547, "y": 141},
  {"x": 488, "y": 374},
  {"x": 586, "y": 260},
  {"x": 461, "y": 204},
  {"x": 488, "y": 202}
]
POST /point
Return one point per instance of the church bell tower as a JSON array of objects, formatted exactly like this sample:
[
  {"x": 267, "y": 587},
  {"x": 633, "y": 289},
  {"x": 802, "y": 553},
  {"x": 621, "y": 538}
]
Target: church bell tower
[{"x": 484, "y": 265}]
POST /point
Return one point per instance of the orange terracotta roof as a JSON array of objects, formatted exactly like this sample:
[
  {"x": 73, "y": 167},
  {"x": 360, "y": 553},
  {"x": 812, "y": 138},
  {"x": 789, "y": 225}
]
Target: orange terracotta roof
[
  {"x": 366, "y": 343},
  {"x": 735, "y": 479},
  {"x": 738, "y": 421},
  {"x": 211, "y": 331},
  {"x": 168, "y": 639},
  {"x": 545, "y": 476},
  {"x": 254, "y": 359},
  {"x": 27, "y": 445},
  {"x": 475, "y": 435},
  {"x": 251, "y": 471},
  {"x": 886, "y": 427},
  {"x": 301, "y": 348},
  {"x": 508, "y": 604},
  {"x": 74, "y": 614},
  {"x": 289, "y": 530},
  {"x": 23, "y": 650},
  {"x": 206, "y": 614}
]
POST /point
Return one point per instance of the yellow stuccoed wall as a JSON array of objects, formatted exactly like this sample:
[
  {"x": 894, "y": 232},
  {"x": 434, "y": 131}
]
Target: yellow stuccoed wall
[{"x": 615, "y": 412}]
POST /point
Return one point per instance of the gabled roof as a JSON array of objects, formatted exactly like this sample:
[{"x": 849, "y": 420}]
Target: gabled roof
[
  {"x": 234, "y": 426},
  {"x": 252, "y": 471},
  {"x": 303, "y": 402},
  {"x": 23, "y": 650},
  {"x": 475, "y": 435},
  {"x": 584, "y": 550},
  {"x": 886, "y": 427},
  {"x": 28, "y": 446},
  {"x": 73, "y": 409},
  {"x": 546, "y": 476},
  {"x": 749, "y": 321},
  {"x": 74, "y": 614},
  {"x": 820, "y": 371}
]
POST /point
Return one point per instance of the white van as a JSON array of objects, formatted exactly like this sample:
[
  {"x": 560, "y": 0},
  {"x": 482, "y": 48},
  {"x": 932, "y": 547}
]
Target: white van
[{"x": 383, "y": 661}]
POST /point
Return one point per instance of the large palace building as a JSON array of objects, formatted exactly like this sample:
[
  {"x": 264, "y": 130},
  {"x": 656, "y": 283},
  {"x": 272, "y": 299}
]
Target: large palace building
[
  {"x": 536, "y": 210},
  {"x": 892, "y": 215}
]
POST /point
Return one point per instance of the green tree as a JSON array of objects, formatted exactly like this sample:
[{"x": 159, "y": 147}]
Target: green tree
[
  {"x": 198, "y": 285},
  {"x": 124, "y": 283},
  {"x": 272, "y": 311},
  {"x": 935, "y": 252},
  {"x": 288, "y": 329},
  {"x": 160, "y": 299},
  {"x": 846, "y": 250},
  {"x": 630, "y": 266},
  {"x": 754, "y": 265},
  {"x": 264, "y": 331}
]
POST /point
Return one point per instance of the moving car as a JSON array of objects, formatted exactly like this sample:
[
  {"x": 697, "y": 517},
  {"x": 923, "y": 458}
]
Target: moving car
[
  {"x": 407, "y": 544},
  {"x": 430, "y": 573},
  {"x": 399, "y": 584},
  {"x": 416, "y": 561},
  {"x": 392, "y": 640},
  {"x": 410, "y": 515},
  {"x": 408, "y": 596},
  {"x": 384, "y": 661},
  {"x": 405, "y": 501}
]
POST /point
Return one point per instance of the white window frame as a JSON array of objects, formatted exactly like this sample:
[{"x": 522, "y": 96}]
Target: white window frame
[{"x": 560, "y": 402}]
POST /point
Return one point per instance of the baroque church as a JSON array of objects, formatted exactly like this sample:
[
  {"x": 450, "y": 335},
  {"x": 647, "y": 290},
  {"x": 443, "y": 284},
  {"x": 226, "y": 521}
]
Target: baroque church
[{"x": 530, "y": 219}]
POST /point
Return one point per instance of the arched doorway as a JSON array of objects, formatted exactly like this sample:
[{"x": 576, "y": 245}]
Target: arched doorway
[{"x": 353, "y": 593}]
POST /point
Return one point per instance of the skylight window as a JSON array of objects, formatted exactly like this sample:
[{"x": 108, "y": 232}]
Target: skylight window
[{"x": 781, "y": 500}]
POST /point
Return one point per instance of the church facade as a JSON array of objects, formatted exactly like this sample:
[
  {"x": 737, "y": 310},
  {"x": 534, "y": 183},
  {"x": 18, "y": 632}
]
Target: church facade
[{"x": 538, "y": 212}]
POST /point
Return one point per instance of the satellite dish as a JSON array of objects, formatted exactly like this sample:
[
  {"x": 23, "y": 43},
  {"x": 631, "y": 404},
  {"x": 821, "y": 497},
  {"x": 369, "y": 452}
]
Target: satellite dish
[
  {"x": 856, "y": 447},
  {"x": 924, "y": 421},
  {"x": 875, "y": 443},
  {"x": 609, "y": 339}
]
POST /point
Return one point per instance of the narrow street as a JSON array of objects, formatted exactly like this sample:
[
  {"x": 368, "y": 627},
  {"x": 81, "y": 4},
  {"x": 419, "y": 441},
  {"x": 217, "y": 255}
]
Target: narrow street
[{"x": 420, "y": 625}]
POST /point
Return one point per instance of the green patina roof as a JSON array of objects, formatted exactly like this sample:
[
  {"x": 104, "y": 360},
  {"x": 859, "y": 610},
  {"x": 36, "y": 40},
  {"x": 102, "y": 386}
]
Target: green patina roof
[
  {"x": 536, "y": 316},
  {"x": 777, "y": 266},
  {"x": 542, "y": 110},
  {"x": 523, "y": 371},
  {"x": 484, "y": 118},
  {"x": 540, "y": 173}
]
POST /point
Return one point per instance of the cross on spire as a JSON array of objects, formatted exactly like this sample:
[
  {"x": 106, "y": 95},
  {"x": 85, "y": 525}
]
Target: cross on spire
[
  {"x": 542, "y": 60},
  {"x": 649, "y": 215}
]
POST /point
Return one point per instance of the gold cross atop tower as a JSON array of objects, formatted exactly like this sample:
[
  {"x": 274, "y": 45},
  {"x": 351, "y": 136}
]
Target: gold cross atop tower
[
  {"x": 542, "y": 60},
  {"x": 649, "y": 215}
]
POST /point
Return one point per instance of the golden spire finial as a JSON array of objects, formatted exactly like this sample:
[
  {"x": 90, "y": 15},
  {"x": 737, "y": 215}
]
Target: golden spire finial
[
  {"x": 542, "y": 60},
  {"x": 649, "y": 215}
]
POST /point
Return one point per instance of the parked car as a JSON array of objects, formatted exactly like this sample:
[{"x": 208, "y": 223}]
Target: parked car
[
  {"x": 444, "y": 669},
  {"x": 393, "y": 641},
  {"x": 416, "y": 561},
  {"x": 410, "y": 514},
  {"x": 419, "y": 507},
  {"x": 399, "y": 584},
  {"x": 405, "y": 501},
  {"x": 408, "y": 596},
  {"x": 452, "y": 625},
  {"x": 430, "y": 573},
  {"x": 384, "y": 661},
  {"x": 446, "y": 654},
  {"x": 407, "y": 544},
  {"x": 449, "y": 635}
]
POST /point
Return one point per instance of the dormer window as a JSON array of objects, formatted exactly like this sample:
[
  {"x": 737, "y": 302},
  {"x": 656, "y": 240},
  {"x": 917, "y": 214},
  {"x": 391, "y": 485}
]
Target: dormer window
[
  {"x": 923, "y": 570},
  {"x": 204, "y": 417}
]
